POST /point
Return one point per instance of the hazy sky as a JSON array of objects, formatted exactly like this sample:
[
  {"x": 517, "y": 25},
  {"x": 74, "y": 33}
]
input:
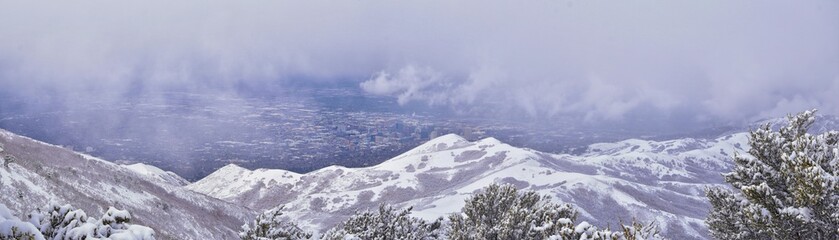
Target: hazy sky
[{"x": 724, "y": 60}]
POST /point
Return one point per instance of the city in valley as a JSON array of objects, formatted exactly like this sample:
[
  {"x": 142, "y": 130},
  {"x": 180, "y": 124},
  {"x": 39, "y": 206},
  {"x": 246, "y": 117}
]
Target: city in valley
[{"x": 303, "y": 130}]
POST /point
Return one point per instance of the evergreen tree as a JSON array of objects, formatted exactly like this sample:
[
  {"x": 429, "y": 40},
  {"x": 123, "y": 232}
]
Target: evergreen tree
[
  {"x": 386, "y": 223},
  {"x": 271, "y": 225},
  {"x": 114, "y": 221},
  {"x": 60, "y": 222},
  {"x": 786, "y": 188},
  {"x": 54, "y": 221},
  {"x": 15, "y": 233},
  {"x": 586, "y": 231},
  {"x": 13, "y": 228},
  {"x": 502, "y": 212}
]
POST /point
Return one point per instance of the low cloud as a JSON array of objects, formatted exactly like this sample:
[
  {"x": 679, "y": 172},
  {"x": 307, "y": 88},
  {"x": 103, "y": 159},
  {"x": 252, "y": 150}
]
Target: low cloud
[
  {"x": 722, "y": 60},
  {"x": 411, "y": 84},
  {"x": 603, "y": 60}
]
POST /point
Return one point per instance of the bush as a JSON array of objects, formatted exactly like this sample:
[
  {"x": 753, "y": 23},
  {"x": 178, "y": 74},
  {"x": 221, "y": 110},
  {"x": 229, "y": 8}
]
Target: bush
[
  {"x": 386, "y": 223},
  {"x": 271, "y": 225},
  {"x": 66, "y": 222},
  {"x": 785, "y": 189},
  {"x": 501, "y": 212}
]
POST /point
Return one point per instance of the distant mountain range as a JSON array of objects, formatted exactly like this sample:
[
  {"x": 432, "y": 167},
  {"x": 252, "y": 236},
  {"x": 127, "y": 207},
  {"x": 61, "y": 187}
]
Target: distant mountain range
[{"x": 661, "y": 181}]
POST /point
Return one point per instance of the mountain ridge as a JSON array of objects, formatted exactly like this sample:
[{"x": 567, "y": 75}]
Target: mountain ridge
[
  {"x": 654, "y": 180},
  {"x": 158, "y": 174},
  {"x": 660, "y": 181},
  {"x": 43, "y": 173}
]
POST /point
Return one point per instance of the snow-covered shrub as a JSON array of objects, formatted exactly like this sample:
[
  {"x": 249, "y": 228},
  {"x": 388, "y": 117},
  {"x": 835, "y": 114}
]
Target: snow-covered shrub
[
  {"x": 386, "y": 223},
  {"x": 13, "y": 228},
  {"x": 271, "y": 225},
  {"x": 586, "y": 231},
  {"x": 65, "y": 222},
  {"x": 788, "y": 188},
  {"x": 54, "y": 220},
  {"x": 502, "y": 212}
]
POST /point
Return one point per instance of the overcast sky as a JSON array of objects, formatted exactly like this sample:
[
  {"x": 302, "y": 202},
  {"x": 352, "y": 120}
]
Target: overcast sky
[{"x": 723, "y": 60}]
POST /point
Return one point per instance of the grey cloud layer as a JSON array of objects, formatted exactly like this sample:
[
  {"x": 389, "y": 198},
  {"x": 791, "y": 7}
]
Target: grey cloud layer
[{"x": 600, "y": 59}]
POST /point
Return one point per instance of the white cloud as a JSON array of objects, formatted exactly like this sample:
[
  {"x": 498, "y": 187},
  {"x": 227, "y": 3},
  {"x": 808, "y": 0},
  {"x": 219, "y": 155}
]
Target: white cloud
[
  {"x": 410, "y": 83},
  {"x": 602, "y": 59}
]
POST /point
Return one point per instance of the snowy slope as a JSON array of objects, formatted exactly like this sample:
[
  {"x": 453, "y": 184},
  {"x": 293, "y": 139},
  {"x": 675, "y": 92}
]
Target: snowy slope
[
  {"x": 157, "y": 174},
  {"x": 240, "y": 180},
  {"x": 661, "y": 181},
  {"x": 43, "y": 173}
]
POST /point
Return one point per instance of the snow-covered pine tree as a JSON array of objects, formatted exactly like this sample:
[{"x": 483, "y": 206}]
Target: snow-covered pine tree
[
  {"x": 55, "y": 222},
  {"x": 13, "y": 228},
  {"x": 786, "y": 188},
  {"x": 271, "y": 225},
  {"x": 586, "y": 231},
  {"x": 15, "y": 233},
  {"x": 116, "y": 224},
  {"x": 384, "y": 224},
  {"x": 502, "y": 212}
]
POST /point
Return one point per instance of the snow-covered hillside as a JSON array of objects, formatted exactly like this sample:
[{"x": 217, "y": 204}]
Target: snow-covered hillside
[
  {"x": 157, "y": 174},
  {"x": 42, "y": 173},
  {"x": 661, "y": 181}
]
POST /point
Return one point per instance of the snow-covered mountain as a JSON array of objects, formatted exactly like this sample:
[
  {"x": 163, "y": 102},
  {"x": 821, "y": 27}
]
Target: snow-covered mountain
[
  {"x": 157, "y": 174},
  {"x": 42, "y": 173},
  {"x": 662, "y": 181}
]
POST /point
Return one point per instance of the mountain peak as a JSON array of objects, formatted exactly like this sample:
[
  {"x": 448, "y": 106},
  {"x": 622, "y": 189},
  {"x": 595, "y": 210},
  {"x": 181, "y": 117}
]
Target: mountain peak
[
  {"x": 448, "y": 141},
  {"x": 232, "y": 180},
  {"x": 489, "y": 141},
  {"x": 451, "y": 137},
  {"x": 157, "y": 173},
  {"x": 232, "y": 167}
]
